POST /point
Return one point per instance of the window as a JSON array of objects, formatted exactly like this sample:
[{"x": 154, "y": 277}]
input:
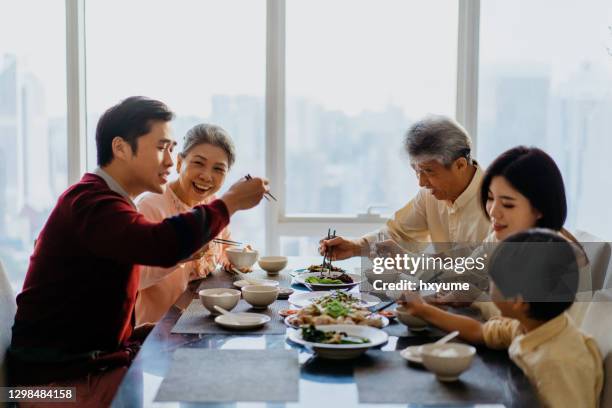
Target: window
[
  {"x": 33, "y": 151},
  {"x": 358, "y": 74},
  {"x": 203, "y": 58},
  {"x": 548, "y": 82}
]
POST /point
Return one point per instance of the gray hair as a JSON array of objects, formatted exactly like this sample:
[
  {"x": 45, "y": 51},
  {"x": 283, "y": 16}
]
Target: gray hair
[
  {"x": 438, "y": 138},
  {"x": 205, "y": 133}
]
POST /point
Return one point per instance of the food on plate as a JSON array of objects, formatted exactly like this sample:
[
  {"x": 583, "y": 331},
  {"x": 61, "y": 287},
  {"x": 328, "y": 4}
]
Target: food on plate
[
  {"x": 313, "y": 335},
  {"x": 339, "y": 295},
  {"x": 389, "y": 314},
  {"x": 328, "y": 267},
  {"x": 287, "y": 312},
  {"x": 337, "y": 280},
  {"x": 335, "y": 311}
]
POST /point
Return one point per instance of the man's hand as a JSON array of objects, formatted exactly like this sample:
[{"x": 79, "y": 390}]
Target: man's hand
[
  {"x": 245, "y": 194},
  {"x": 340, "y": 248}
]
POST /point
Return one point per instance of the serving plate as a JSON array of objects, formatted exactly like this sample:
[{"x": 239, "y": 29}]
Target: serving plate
[
  {"x": 377, "y": 337},
  {"x": 228, "y": 323},
  {"x": 303, "y": 299},
  {"x": 301, "y": 279},
  {"x": 289, "y": 321}
]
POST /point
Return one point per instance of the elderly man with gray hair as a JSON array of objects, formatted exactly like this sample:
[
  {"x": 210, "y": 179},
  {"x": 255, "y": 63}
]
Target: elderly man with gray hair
[{"x": 446, "y": 209}]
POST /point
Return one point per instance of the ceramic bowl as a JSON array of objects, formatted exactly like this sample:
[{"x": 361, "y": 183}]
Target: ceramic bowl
[{"x": 225, "y": 298}]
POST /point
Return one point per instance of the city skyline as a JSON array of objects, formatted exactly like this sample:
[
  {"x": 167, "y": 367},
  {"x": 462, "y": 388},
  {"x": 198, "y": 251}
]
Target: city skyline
[{"x": 336, "y": 154}]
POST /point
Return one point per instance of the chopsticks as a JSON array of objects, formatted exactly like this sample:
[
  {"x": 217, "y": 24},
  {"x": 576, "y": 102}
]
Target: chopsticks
[
  {"x": 267, "y": 194},
  {"x": 226, "y": 242},
  {"x": 328, "y": 256}
]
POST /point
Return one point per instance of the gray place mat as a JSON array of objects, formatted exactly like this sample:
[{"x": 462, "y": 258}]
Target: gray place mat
[
  {"x": 431, "y": 333},
  {"x": 385, "y": 377},
  {"x": 196, "y": 319},
  {"x": 239, "y": 375}
]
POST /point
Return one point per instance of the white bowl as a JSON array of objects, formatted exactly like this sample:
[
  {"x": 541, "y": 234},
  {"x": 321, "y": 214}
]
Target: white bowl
[
  {"x": 241, "y": 259},
  {"x": 212, "y": 297},
  {"x": 273, "y": 264},
  {"x": 447, "y": 361},
  {"x": 377, "y": 337},
  {"x": 259, "y": 296},
  {"x": 414, "y": 323}
]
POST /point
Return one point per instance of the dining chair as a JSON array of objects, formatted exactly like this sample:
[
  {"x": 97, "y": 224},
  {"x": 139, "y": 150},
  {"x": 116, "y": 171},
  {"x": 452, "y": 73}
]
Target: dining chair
[
  {"x": 597, "y": 323},
  {"x": 7, "y": 315},
  {"x": 599, "y": 253}
]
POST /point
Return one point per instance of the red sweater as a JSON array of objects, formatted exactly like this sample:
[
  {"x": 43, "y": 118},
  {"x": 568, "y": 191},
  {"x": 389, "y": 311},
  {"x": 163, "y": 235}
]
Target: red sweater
[{"x": 79, "y": 293}]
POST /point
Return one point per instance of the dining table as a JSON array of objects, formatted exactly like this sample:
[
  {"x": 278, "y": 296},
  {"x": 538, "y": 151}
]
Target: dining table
[{"x": 321, "y": 382}]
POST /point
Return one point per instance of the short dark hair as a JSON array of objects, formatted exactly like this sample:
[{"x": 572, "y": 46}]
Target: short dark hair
[
  {"x": 539, "y": 265},
  {"x": 535, "y": 175},
  {"x": 129, "y": 119}
]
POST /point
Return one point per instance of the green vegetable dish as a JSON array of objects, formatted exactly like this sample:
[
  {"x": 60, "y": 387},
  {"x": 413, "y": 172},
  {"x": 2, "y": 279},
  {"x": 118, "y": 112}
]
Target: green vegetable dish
[
  {"x": 328, "y": 281},
  {"x": 337, "y": 295},
  {"x": 313, "y": 335}
]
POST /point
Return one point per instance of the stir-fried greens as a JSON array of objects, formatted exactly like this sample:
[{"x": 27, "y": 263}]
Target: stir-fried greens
[
  {"x": 328, "y": 281},
  {"x": 338, "y": 295},
  {"x": 313, "y": 335}
]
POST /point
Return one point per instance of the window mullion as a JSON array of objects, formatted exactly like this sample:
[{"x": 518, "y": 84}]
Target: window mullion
[
  {"x": 467, "y": 66},
  {"x": 75, "y": 87},
  {"x": 275, "y": 118}
]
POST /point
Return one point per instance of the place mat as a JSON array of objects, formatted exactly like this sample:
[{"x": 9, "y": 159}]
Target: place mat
[
  {"x": 431, "y": 333},
  {"x": 207, "y": 375},
  {"x": 196, "y": 319},
  {"x": 385, "y": 377}
]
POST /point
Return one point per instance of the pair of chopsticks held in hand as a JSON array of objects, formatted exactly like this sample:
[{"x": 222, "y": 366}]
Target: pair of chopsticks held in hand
[
  {"x": 267, "y": 195},
  {"x": 327, "y": 256},
  {"x": 236, "y": 243}
]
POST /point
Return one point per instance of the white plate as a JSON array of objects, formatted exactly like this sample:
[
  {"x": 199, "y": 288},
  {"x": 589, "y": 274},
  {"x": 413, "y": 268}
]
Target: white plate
[
  {"x": 377, "y": 337},
  {"x": 303, "y": 299},
  {"x": 412, "y": 354},
  {"x": 228, "y": 323},
  {"x": 384, "y": 320},
  {"x": 267, "y": 282},
  {"x": 301, "y": 279}
]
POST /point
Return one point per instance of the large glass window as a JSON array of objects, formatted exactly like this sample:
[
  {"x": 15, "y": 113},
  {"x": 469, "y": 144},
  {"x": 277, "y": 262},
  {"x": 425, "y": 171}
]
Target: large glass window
[
  {"x": 547, "y": 82},
  {"x": 33, "y": 151},
  {"x": 358, "y": 74},
  {"x": 204, "y": 58}
]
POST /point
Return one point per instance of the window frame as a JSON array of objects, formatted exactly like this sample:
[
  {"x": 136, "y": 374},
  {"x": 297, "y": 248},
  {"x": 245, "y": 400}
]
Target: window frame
[{"x": 277, "y": 222}]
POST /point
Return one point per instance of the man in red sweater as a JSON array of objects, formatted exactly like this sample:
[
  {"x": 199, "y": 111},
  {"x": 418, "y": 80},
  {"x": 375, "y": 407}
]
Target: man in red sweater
[{"x": 74, "y": 323}]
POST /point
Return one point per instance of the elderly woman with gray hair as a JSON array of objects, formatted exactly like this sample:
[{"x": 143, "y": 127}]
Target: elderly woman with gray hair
[
  {"x": 207, "y": 155},
  {"x": 446, "y": 209}
]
